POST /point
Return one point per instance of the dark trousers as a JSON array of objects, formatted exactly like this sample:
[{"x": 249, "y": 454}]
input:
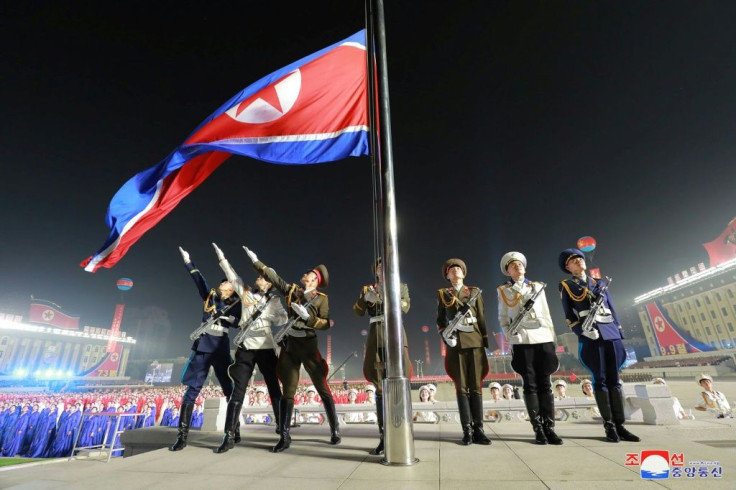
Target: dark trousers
[
  {"x": 603, "y": 358},
  {"x": 535, "y": 363},
  {"x": 242, "y": 369},
  {"x": 196, "y": 371},
  {"x": 302, "y": 351}
]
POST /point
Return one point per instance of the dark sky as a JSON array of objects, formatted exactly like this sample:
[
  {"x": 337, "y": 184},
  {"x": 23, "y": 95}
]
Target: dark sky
[{"x": 516, "y": 126}]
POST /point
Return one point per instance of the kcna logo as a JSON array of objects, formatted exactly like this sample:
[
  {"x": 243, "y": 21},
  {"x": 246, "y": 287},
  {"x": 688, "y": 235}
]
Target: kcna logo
[{"x": 654, "y": 464}]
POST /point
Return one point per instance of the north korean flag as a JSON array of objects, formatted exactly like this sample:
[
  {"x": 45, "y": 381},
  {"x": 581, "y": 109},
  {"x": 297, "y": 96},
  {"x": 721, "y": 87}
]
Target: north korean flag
[{"x": 312, "y": 111}]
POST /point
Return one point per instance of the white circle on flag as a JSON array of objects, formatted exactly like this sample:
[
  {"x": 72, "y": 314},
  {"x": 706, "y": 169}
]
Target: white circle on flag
[
  {"x": 260, "y": 111},
  {"x": 659, "y": 323},
  {"x": 48, "y": 315}
]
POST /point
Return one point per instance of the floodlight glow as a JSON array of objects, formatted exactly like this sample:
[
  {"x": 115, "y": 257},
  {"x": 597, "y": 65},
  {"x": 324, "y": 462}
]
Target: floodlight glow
[{"x": 69, "y": 374}]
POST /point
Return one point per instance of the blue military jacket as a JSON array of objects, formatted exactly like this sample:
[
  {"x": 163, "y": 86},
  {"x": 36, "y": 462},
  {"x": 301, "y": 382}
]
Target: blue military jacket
[
  {"x": 210, "y": 343},
  {"x": 577, "y": 296}
]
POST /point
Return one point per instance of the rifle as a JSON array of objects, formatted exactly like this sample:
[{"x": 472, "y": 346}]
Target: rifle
[
  {"x": 211, "y": 321},
  {"x": 587, "y": 326},
  {"x": 240, "y": 338},
  {"x": 462, "y": 313},
  {"x": 288, "y": 327},
  {"x": 516, "y": 324}
]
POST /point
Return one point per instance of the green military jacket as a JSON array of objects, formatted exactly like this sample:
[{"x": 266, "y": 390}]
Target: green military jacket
[
  {"x": 318, "y": 308},
  {"x": 361, "y": 307},
  {"x": 447, "y": 305}
]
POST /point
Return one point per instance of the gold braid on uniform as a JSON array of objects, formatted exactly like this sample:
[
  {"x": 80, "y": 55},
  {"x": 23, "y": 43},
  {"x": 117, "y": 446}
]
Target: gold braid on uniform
[
  {"x": 517, "y": 297},
  {"x": 574, "y": 297},
  {"x": 210, "y": 308},
  {"x": 444, "y": 302},
  {"x": 288, "y": 296}
]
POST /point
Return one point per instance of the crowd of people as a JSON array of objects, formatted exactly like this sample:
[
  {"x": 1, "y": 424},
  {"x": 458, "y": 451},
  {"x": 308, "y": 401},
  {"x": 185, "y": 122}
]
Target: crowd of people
[{"x": 46, "y": 425}]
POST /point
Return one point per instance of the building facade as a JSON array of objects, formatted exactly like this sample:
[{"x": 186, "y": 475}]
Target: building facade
[{"x": 697, "y": 313}]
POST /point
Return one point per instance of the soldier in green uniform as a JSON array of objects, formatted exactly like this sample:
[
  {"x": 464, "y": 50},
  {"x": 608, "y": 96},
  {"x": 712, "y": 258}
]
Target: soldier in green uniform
[
  {"x": 465, "y": 360},
  {"x": 374, "y": 364},
  {"x": 310, "y": 308}
]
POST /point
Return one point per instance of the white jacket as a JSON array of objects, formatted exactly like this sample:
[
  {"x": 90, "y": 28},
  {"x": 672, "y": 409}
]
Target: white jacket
[
  {"x": 259, "y": 334},
  {"x": 537, "y": 327}
]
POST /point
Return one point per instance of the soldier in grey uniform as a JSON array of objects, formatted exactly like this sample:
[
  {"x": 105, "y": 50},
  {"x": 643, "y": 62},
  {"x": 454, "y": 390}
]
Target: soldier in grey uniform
[
  {"x": 465, "y": 362},
  {"x": 255, "y": 349}
]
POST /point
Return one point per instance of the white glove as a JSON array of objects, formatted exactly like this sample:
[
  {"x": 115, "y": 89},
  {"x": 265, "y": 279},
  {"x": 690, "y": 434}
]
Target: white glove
[
  {"x": 452, "y": 341},
  {"x": 251, "y": 254},
  {"x": 370, "y": 296},
  {"x": 592, "y": 334},
  {"x": 220, "y": 255},
  {"x": 300, "y": 310},
  {"x": 184, "y": 255},
  {"x": 518, "y": 286},
  {"x": 516, "y": 339}
]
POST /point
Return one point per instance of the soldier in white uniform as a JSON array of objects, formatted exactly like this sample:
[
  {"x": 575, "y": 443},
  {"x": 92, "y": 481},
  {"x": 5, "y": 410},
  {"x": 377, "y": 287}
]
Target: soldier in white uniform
[
  {"x": 713, "y": 401},
  {"x": 256, "y": 347},
  {"x": 533, "y": 351},
  {"x": 370, "y": 417},
  {"x": 352, "y": 417}
]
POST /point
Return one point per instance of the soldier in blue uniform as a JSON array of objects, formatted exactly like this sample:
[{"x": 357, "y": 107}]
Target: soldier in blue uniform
[
  {"x": 212, "y": 349},
  {"x": 602, "y": 351}
]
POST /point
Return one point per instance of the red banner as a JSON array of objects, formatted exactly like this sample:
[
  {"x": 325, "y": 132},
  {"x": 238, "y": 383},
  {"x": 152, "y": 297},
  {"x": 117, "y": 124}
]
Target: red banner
[
  {"x": 42, "y": 312},
  {"x": 723, "y": 248},
  {"x": 669, "y": 339},
  {"x": 117, "y": 320}
]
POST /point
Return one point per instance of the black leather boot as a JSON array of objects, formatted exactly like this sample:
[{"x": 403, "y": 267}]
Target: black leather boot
[
  {"x": 276, "y": 404},
  {"x": 476, "y": 411},
  {"x": 185, "y": 416},
  {"x": 616, "y": 398},
  {"x": 329, "y": 404},
  {"x": 236, "y": 437},
  {"x": 231, "y": 422},
  {"x": 286, "y": 407},
  {"x": 531, "y": 400},
  {"x": 547, "y": 416},
  {"x": 604, "y": 407},
  {"x": 379, "y": 415},
  {"x": 463, "y": 405}
]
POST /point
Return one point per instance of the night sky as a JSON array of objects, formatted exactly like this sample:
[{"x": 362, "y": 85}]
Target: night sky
[{"x": 516, "y": 126}]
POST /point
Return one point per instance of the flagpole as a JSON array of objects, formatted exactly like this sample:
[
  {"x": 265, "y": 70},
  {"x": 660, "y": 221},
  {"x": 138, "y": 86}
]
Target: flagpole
[{"x": 398, "y": 431}]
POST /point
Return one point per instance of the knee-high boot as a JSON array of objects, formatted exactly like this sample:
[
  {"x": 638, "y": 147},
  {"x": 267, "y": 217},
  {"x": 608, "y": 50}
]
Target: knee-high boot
[
  {"x": 547, "y": 415},
  {"x": 604, "y": 407},
  {"x": 276, "y": 409},
  {"x": 463, "y": 406},
  {"x": 476, "y": 411},
  {"x": 185, "y": 416},
  {"x": 531, "y": 400},
  {"x": 231, "y": 423},
  {"x": 286, "y": 407},
  {"x": 616, "y": 398},
  {"x": 329, "y": 404},
  {"x": 379, "y": 415}
]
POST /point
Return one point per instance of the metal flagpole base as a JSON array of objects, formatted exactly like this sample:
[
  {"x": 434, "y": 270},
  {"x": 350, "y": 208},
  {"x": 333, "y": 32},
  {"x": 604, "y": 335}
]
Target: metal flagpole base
[{"x": 397, "y": 423}]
